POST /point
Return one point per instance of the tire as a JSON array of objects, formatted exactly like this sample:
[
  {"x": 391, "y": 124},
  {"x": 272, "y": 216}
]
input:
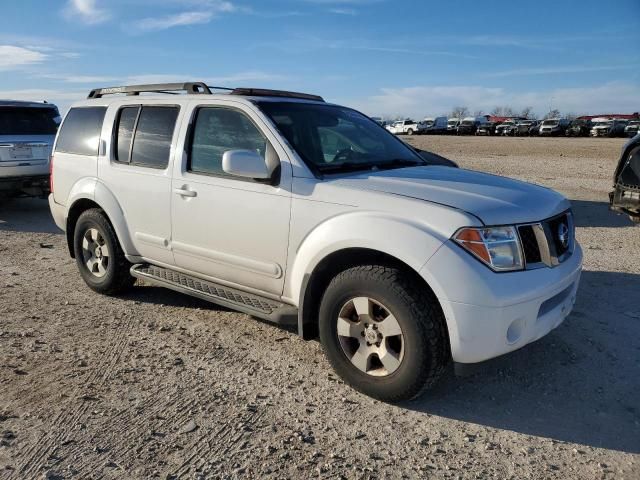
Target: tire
[
  {"x": 410, "y": 132},
  {"x": 110, "y": 269},
  {"x": 419, "y": 354}
]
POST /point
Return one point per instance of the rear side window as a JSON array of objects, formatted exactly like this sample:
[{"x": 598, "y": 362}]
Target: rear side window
[
  {"x": 144, "y": 135},
  {"x": 28, "y": 121},
  {"x": 80, "y": 131}
]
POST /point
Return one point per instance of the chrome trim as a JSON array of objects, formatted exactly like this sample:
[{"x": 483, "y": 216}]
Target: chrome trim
[{"x": 546, "y": 244}]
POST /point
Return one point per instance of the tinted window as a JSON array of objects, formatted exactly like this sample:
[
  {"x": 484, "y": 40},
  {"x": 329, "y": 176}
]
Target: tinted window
[
  {"x": 80, "y": 131},
  {"x": 218, "y": 130},
  {"x": 152, "y": 141},
  {"x": 124, "y": 133},
  {"x": 28, "y": 121}
]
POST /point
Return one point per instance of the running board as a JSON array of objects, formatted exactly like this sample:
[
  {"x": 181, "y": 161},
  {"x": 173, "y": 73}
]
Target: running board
[{"x": 248, "y": 303}]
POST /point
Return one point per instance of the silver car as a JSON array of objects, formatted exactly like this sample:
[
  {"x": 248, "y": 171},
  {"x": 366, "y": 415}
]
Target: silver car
[{"x": 27, "y": 132}]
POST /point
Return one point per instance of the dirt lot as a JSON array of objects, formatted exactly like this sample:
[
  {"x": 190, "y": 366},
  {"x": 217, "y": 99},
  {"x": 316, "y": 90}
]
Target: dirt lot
[{"x": 158, "y": 385}]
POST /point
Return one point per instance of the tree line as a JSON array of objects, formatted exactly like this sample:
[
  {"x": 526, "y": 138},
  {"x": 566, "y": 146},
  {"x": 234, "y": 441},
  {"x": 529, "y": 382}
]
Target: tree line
[{"x": 507, "y": 111}]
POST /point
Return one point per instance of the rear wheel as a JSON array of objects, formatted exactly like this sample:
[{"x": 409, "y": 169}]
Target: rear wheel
[
  {"x": 410, "y": 132},
  {"x": 381, "y": 334},
  {"x": 99, "y": 256}
]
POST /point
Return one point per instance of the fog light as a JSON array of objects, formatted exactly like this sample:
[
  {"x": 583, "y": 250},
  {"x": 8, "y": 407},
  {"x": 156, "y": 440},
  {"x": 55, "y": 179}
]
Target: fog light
[{"x": 514, "y": 332}]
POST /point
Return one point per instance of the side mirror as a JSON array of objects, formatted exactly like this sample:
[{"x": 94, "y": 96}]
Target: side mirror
[{"x": 245, "y": 163}]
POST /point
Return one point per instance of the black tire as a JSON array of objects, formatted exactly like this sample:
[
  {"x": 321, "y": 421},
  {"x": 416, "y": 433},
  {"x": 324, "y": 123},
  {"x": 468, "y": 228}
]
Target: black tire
[
  {"x": 410, "y": 132},
  {"x": 426, "y": 345},
  {"x": 116, "y": 277}
]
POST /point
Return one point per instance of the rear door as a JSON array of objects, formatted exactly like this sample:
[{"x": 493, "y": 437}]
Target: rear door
[{"x": 136, "y": 169}]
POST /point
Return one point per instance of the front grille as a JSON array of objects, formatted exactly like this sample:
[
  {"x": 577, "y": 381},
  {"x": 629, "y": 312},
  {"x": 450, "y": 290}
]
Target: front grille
[
  {"x": 549, "y": 242},
  {"x": 530, "y": 246}
]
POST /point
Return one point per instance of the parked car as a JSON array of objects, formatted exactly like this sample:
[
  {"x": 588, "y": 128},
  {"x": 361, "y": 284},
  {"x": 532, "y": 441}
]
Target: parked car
[
  {"x": 437, "y": 125},
  {"x": 300, "y": 212},
  {"x": 625, "y": 196},
  {"x": 27, "y": 131},
  {"x": 553, "y": 127},
  {"x": 469, "y": 125},
  {"x": 608, "y": 127},
  {"x": 487, "y": 128},
  {"x": 579, "y": 128},
  {"x": 452, "y": 125},
  {"x": 405, "y": 127},
  {"x": 505, "y": 127},
  {"x": 522, "y": 127},
  {"x": 632, "y": 128}
]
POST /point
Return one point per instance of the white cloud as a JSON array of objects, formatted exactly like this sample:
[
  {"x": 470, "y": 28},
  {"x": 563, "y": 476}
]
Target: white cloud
[
  {"x": 559, "y": 70},
  {"x": 62, "y": 99},
  {"x": 87, "y": 11},
  {"x": 87, "y": 79},
  {"x": 177, "y": 20},
  {"x": 343, "y": 11},
  {"x": 420, "y": 101},
  {"x": 12, "y": 57},
  {"x": 208, "y": 10}
]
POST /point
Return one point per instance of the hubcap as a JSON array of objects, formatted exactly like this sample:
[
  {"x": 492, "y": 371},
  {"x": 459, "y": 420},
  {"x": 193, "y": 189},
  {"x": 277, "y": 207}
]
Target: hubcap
[
  {"x": 370, "y": 336},
  {"x": 95, "y": 252}
]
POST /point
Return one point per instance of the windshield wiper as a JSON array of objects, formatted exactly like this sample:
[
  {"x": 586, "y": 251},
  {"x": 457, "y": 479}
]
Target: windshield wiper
[{"x": 346, "y": 167}]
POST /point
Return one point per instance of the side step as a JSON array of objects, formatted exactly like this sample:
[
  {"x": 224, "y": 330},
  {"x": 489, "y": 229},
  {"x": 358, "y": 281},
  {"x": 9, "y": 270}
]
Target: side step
[{"x": 248, "y": 303}]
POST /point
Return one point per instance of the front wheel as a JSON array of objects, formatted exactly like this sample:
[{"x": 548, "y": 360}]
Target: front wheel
[
  {"x": 383, "y": 333},
  {"x": 99, "y": 256}
]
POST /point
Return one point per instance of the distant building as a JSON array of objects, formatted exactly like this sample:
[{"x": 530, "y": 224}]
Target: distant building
[{"x": 627, "y": 116}]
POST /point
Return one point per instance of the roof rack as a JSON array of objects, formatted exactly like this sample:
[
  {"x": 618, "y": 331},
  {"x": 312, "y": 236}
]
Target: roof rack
[
  {"x": 263, "y": 92},
  {"x": 171, "y": 88},
  {"x": 200, "y": 88}
]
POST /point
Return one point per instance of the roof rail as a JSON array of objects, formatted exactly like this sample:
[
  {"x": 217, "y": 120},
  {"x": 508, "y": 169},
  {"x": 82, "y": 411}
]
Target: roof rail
[
  {"x": 263, "y": 92},
  {"x": 188, "y": 87}
]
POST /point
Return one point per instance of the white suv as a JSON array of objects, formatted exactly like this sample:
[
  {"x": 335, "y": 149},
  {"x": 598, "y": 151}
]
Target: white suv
[
  {"x": 294, "y": 210},
  {"x": 27, "y": 131}
]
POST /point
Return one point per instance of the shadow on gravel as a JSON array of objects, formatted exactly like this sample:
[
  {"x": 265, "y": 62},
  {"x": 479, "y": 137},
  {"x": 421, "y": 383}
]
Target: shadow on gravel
[
  {"x": 589, "y": 213},
  {"x": 171, "y": 298},
  {"x": 26, "y": 215},
  {"x": 580, "y": 384}
]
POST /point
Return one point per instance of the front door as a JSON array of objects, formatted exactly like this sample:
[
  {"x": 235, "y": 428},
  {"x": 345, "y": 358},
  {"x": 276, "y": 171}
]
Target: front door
[{"x": 232, "y": 229}]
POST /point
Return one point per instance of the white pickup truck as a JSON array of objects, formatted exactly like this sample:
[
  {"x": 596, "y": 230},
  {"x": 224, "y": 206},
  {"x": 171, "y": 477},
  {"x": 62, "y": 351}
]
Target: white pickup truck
[{"x": 406, "y": 127}]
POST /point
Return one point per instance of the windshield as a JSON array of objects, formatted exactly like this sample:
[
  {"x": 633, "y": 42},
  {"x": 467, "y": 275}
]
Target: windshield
[
  {"x": 507, "y": 123},
  {"x": 550, "y": 122},
  {"x": 634, "y": 122},
  {"x": 603, "y": 124},
  {"x": 330, "y": 138},
  {"x": 28, "y": 121},
  {"x": 468, "y": 122}
]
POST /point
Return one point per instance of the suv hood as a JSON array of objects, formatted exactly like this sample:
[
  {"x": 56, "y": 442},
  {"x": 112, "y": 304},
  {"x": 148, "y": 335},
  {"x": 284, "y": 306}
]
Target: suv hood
[{"x": 495, "y": 200}]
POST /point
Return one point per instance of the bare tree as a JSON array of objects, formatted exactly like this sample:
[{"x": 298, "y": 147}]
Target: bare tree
[
  {"x": 555, "y": 113},
  {"x": 459, "y": 112},
  {"x": 503, "y": 111},
  {"x": 478, "y": 113},
  {"x": 571, "y": 116},
  {"x": 527, "y": 112}
]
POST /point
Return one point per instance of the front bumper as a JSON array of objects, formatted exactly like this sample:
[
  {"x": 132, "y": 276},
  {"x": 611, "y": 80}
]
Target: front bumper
[{"x": 489, "y": 314}]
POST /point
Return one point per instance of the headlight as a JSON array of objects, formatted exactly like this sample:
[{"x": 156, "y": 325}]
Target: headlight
[{"x": 497, "y": 247}]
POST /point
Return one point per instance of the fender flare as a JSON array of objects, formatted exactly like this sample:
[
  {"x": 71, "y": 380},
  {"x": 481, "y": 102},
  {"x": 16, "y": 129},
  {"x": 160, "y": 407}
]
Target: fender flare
[{"x": 98, "y": 193}]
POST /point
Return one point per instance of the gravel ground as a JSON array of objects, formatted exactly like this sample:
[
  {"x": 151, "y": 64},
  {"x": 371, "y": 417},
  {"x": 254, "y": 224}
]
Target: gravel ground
[{"x": 154, "y": 384}]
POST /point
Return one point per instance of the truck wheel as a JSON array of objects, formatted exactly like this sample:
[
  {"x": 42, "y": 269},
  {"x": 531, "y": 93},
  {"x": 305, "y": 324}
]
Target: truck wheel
[
  {"x": 99, "y": 256},
  {"x": 410, "y": 132},
  {"x": 381, "y": 334}
]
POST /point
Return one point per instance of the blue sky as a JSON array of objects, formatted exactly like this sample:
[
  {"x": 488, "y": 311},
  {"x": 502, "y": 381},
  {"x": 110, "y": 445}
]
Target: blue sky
[{"x": 385, "y": 57}]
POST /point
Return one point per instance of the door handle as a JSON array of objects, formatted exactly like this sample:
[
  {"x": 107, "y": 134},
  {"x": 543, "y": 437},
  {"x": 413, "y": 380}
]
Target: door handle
[{"x": 183, "y": 192}]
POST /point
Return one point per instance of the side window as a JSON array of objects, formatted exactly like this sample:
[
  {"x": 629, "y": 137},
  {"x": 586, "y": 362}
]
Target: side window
[
  {"x": 218, "y": 130},
  {"x": 152, "y": 141},
  {"x": 126, "y": 123},
  {"x": 80, "y": 131}
]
